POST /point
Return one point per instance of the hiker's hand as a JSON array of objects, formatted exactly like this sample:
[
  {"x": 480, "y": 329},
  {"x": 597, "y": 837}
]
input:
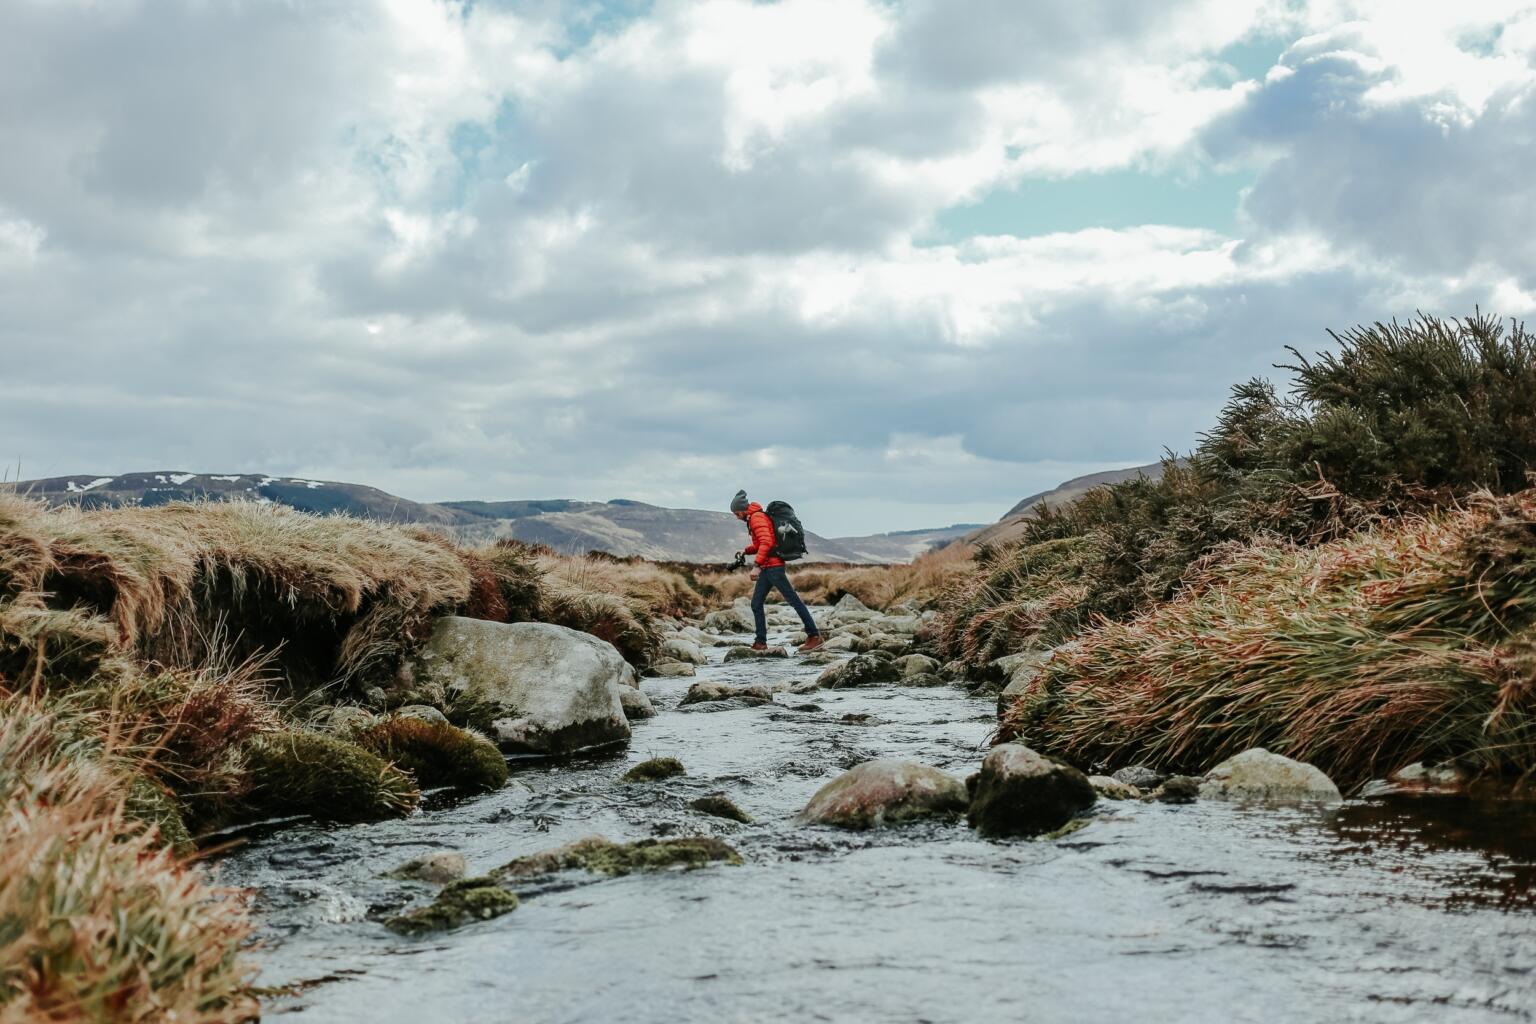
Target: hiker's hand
[{"x": 754, "y": 575}]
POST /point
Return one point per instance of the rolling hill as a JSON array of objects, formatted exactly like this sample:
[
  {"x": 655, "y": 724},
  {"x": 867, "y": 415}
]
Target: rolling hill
[{"x": 619, "y": 527}]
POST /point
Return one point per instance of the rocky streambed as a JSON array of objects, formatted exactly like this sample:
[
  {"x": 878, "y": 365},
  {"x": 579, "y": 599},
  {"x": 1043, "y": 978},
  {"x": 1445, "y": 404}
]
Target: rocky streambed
[{"x": 1370, "y": 910}]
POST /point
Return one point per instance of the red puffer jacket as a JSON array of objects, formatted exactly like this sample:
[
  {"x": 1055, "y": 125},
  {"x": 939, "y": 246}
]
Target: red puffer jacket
[{"x": 763, "y": 537}]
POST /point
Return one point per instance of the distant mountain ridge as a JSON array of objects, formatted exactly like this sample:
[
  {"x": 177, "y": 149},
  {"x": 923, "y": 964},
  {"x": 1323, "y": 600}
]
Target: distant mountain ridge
[
  {"x": 621, "y": 527},
  {"x": 1010, "y": 527}
]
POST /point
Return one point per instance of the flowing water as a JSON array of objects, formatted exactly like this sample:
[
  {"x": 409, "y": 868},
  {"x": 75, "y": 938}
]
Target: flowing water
[{"x": 1204, "y": 912}]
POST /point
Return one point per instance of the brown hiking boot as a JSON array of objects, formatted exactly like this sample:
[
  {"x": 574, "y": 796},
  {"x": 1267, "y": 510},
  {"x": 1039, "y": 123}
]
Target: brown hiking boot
[
  {"x": 811, "y": 644},
  {"x": 759, "y": 646}
]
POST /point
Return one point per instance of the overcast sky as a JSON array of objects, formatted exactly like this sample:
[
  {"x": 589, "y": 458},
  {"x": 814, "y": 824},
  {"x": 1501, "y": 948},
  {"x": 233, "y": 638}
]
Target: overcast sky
[{"x": 898, "y": 262}]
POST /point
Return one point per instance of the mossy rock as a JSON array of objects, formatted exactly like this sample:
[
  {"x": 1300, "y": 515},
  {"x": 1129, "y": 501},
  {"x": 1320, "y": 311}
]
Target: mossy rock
[
  {"x": 720, "y": 806},
  {"x": 654, "y": 770},
  {"x": 436, "y": 753},
  {"x": 150, "y": 803},
  {"x": 296, "y": 772},
  {"x": 460, "y": 903},
  {"x": 605, "y": 857}
]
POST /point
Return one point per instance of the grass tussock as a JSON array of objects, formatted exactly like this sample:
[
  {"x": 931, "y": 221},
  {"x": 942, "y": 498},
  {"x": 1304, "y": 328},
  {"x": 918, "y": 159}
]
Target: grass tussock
[
  {"x": 1415, "y": 641},
  {"x": 436, "y": 753},
  {"x": 98, "y": 919},
  {"x": 616, "y": 600}
]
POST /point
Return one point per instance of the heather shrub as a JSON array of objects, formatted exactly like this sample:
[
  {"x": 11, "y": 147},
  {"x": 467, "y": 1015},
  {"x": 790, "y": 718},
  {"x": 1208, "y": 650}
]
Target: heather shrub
[{"x": 1398, "y": 419}]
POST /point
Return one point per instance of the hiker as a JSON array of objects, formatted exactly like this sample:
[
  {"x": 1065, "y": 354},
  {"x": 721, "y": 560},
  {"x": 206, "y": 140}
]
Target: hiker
[{"x": 770, "y": 573}]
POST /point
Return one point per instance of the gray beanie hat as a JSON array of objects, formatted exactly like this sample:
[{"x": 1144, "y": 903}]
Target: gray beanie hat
[{"x": 739, "y": 503}]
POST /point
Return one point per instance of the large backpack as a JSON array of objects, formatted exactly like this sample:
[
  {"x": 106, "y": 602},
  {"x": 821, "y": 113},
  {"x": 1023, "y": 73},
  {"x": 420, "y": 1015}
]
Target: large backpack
[{"x": 789, "y": 535}]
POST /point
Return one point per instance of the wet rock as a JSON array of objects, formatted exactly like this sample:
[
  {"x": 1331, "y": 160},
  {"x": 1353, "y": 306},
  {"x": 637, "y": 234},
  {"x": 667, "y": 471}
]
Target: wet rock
[
  {"x": 885, "y": 642},
  {"x": 678, "y": 648},
  {"x": 821, "y": 657},
  {"x": 926, "y": 680},
  {"x": 423, "y": 712},
  {"x": 1258, "y": 775},
  {"x": 436, "y": 868},
  {"x": 1022, "y": 673},
  {"x": 1023, "y": 793},
  {"x": 1420, "y": 779},
  {"x": 720, "y": 806},
  {"x": 654, "y": 770},
  {"x": 728, "y": 620},
  {"x": 885, "y": 792},
  {"x": 346, "y": 719},
  {"x": 805, "y": 707},
  {"x": 748, "y": 654},
  {"x": 673, "y": 670},
  {"x": 1140, "y": 776},
  {"x": 1177, "y": 789},
  {"x": 916, "y": 665},
  {"x": 709, "y": 690},
  {"x": 953, "y": 671},
  {"x": 846, "y": 642},
  {"x": 605, "y": 857},
  {"x": 900, "y": 625},
  {"x": 862, "y": 670},
  {"x": 536, "y": 687},
  {"x": 460, "y": 903},
  {"x": 637, "y": 706},
  {"x": 857, "y": 718},
  {"x": 1113, "y": 789}
]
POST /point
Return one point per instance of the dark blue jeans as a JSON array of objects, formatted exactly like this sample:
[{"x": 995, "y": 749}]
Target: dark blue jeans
[{"x": 776, "y": 578}]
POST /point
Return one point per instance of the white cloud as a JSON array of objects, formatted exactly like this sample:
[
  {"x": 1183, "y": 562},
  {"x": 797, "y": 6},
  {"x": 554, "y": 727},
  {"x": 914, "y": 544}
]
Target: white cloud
[{"x": 462, "y": 250}]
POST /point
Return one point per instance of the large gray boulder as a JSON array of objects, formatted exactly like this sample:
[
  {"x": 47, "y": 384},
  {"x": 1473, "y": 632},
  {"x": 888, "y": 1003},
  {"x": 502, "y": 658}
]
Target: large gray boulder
[
  {"x": 1259, "y": 776},
  {"x": 885, "y": 792},
  {"x": 544, "y": 689},
  {"x": 1022, "y": 793},
  {"x": 729, "y": 620},
  {"x": 916, "y": 665}
]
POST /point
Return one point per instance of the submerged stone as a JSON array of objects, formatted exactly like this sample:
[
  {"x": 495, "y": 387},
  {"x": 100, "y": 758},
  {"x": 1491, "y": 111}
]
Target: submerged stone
[
  {"x": 862, "y": 670},
  {"x": 1140, "y": 776},
  {"x": 1023, "y": 793},
  {"x": 720, "y": 806},
  {"x": 702, "y": 693},
  {"x": 654, "y": 770},
  {"x": 748, "y": 654},
  {"x": 885, "y": 792},
  {"x": 1113, "y": 789},
  {"x": 438, "y": 868},
  {"x": 605, "y": 857},
  {"x": 460, "y": 903},
  {"x": 1258, "y": 775},
  {"x": 1177, "y": 789}
]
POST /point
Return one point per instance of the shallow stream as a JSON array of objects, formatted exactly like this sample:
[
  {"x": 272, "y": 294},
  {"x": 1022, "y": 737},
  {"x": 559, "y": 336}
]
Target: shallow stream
[{"x": 1204, "y": 912}]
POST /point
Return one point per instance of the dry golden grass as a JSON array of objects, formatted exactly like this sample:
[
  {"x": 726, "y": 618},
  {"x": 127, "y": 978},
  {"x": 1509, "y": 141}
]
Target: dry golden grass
[
  {"x": 100, "y": 922},
  {"x": 878, "y": 586},
  {"x": 1412, "y": 642}
]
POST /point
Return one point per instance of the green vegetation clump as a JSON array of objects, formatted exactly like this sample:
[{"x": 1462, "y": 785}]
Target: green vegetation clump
[
  {"x": 605, "y": 857},
  {"x": 296, "y": 772},
  {"x": 654, "y": 770},
  {"x": 1401, "y": 419},
  {"x": 720, "y": 806},
  {"x": 1412, "y": 642},
  {"x": 436, "y": 753},
  {"x": 99, "y": 920},
  {"x": 149, "y": 804},
  {"x": 460, "y": 903}
]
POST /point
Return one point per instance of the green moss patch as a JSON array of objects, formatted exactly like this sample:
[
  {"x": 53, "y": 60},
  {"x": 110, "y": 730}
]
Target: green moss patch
[
  {"x": 436, "y": 753},
  {"x": 460, "y": 903},
  {"x": 654, "y": 770},
  {"x": 605, "y": 857},
  {"x": 720, "y": 806},
  {"x": 296, "y": 772}
]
